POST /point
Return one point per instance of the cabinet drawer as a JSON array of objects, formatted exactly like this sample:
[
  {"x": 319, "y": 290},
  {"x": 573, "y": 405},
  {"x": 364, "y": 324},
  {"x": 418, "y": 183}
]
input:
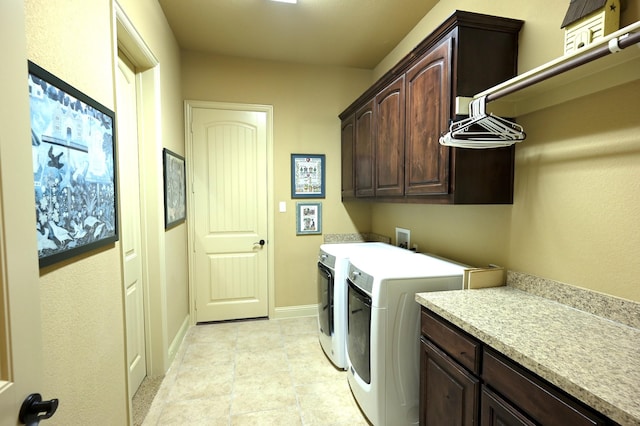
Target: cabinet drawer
[
  {"x": 455, "y": 342},
  {"x": 541, "y": 401}
]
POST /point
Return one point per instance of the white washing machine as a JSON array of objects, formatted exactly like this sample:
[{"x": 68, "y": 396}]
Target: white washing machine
[
  {"x": 333, "y": 261},
  {"x": 383, "y": 351}
]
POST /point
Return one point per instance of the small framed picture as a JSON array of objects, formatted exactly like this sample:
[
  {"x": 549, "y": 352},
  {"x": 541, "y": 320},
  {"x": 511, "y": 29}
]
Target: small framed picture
[
  {"x": 307, "y": 175},
  {"x": 308, "y": 218},
  {"x": 175, "y": 200}
]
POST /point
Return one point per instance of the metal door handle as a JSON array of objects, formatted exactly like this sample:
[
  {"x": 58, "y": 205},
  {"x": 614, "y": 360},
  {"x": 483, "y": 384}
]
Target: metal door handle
[
  {"x": 261, "y": 243},
  {"x": 34, "y": 409}
]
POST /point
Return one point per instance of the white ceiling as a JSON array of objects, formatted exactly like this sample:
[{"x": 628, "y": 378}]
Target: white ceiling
[{"x": 352, "y": 33}]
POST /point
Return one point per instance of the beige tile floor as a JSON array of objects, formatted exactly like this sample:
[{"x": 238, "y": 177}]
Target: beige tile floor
[{"x": 262, "y": 372}]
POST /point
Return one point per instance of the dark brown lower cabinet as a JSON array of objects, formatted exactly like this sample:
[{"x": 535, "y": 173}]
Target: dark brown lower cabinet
[
  {"x": 540, "y": 400},
  {"x": 449, "y": 392},
  {"x": 465, "y": 382},
  {"x": 498, "y": 412}
]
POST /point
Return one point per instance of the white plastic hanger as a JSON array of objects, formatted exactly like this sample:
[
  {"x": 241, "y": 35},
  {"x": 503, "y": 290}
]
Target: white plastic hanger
[{"x": 482, "y": 130}]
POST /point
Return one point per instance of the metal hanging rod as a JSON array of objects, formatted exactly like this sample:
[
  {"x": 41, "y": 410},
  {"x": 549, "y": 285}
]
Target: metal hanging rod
[
  {"x": 614, "y": 45},
  {"x": 482, "y": 130},
  {"x": 614, "y": 42}
]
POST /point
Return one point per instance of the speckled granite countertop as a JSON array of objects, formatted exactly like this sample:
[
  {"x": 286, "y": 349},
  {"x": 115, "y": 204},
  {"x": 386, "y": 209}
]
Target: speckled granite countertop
[
  {"x": 356, "y": 238},
  {"x": 593, "y": 358}
]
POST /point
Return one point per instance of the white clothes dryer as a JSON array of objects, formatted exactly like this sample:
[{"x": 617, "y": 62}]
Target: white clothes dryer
[
  {"x": 333, "y": 261},
  {"x": 383, "y": 332}
]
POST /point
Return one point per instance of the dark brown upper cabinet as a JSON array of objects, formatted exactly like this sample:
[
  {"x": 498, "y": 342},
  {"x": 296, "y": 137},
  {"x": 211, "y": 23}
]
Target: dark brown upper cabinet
[
  {"x": 348, "y": 144},
  {"x": 364, "y": 151},
  {"x": 395, "y": 151},
  {"x": 389, "y": 111},
  {"x": 428, "y": 106}
]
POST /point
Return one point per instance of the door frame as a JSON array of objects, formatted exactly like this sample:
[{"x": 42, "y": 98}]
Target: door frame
[
  {"x": 21, "y": 351},
  {"x": 189, "y": 105},
  {"x": 125, "y": 203},
  {"x": 159, "y": 353}
]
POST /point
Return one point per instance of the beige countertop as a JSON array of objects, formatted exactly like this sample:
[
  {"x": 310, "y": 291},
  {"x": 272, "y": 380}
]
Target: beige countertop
[{"x": 593, "y": 358}]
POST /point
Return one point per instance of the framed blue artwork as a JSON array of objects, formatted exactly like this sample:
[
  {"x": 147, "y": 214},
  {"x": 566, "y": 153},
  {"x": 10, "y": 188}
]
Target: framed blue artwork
[
  {"x": 308, "y": 218},
  {"x": 74, "y": 169},
  {"x": 307, "y": 175}
]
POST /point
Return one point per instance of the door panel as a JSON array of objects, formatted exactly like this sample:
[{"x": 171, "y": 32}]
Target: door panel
[
  {"x": 428, "y": 85},
  {"x": 347, "y": 145},
  {"x": 326, "y": 298},
  {"x": 359, "y": 331},
  {"x": 364, "y": 151},
  {"x": 449, "y": 393},
  {"x": 20, "y": 321},
  {"x": 389, "y": 140},
  {"x": 131, "y": 236},
  {"x": 230, "y": 203}
]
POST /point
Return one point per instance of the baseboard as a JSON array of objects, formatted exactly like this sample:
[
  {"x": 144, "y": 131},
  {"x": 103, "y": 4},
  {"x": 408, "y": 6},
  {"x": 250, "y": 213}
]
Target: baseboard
[
  {"x": 295, "y": 311},
  {"x": 177, "y": 340}
]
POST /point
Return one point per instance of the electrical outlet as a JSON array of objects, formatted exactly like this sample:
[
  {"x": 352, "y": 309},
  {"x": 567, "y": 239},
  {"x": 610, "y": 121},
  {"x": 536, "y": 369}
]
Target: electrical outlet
[{"x": 403, "y": 238}]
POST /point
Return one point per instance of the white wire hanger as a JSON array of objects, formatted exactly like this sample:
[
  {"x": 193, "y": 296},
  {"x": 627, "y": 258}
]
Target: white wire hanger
[{"x": 482, "y": 130}]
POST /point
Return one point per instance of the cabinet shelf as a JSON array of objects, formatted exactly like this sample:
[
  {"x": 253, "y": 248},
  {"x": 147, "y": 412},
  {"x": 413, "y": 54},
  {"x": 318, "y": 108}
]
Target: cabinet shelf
[{"x": 539, "y": 92}]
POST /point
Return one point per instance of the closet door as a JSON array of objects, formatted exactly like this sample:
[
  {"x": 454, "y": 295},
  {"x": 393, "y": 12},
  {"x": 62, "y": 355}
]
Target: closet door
[
  {"x": 428, "y": 88},
  {"x": 389, "y": 140}
]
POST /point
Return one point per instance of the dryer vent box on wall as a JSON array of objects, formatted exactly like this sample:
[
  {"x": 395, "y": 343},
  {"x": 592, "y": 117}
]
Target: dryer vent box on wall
[{"x": 403, "y": 238}]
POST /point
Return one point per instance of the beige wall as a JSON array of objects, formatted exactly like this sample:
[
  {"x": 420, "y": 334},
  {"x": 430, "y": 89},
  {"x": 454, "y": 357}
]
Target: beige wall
[
  {"x": 577, "y": 200},
  {"x": 82, "y": 312},
  {"x": 306, "y": 102},
  {"x": 577, "y": 204},
  {"x": 82, "y": 300},
  {"x": 574, "y": 216}
]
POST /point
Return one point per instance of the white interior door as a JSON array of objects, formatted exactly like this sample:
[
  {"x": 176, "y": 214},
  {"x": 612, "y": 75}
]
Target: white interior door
[
  {"x": 230, "y": 201},
  {"x": 20, "y": 323},
  {"x": 129, "y": 191}
]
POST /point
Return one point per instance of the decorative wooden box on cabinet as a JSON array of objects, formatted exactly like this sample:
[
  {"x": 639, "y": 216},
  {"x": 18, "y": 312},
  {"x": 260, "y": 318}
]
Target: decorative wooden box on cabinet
[
  {"x": 392, "y": 153},
  {"x": 465, "y": 382}
]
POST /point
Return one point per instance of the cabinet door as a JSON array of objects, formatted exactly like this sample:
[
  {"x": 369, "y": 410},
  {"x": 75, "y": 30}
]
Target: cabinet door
[
  {"x": 542, "y": 402},
  {"x": 449, "y": 394},
  {"x": 347, "y": 139},
  {"x": 364, "y": 151},
  {"x": 389, "y": 140},
  {"x": 428, "y": 90},
  {"x": 498, "y": 412}
]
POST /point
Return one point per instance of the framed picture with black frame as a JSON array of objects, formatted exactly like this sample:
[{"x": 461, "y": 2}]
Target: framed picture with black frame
[
  {"x": 175, "y": 199},
  {"x": 74, "y": 169},
  {"x": 307, "y": 175}
]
